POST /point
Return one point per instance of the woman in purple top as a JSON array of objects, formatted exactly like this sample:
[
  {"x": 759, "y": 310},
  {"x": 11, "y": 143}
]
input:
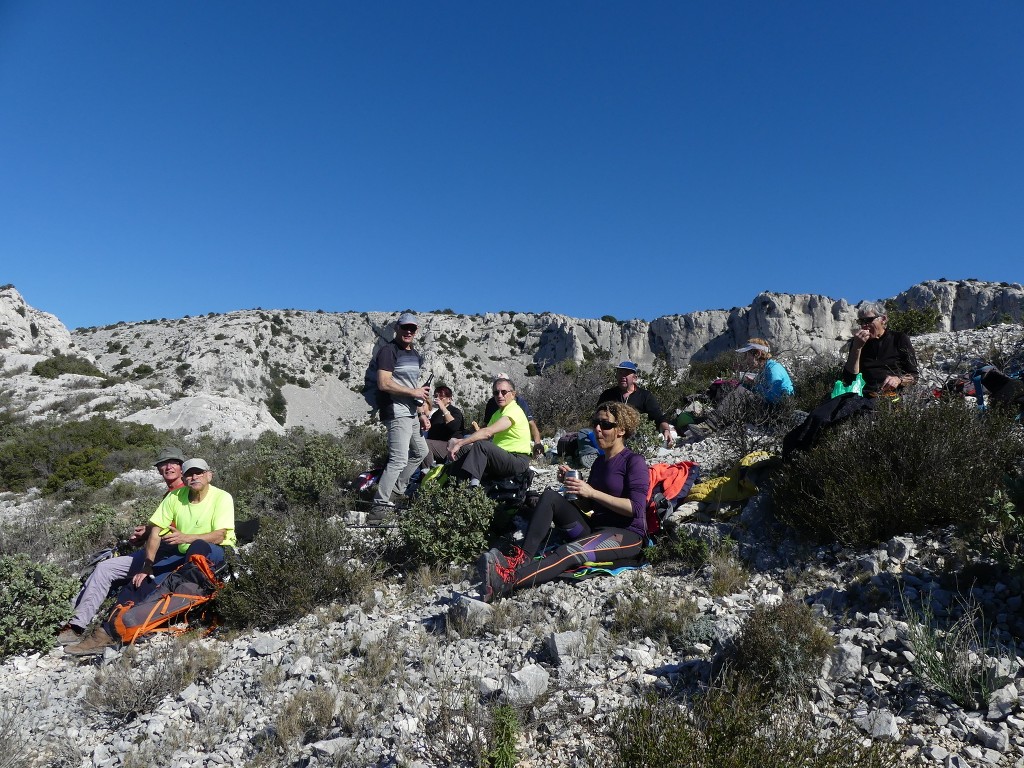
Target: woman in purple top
[{"x": 615, "y": 529}]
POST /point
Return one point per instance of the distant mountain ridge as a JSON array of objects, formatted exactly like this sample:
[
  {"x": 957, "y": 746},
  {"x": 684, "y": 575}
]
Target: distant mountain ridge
[{"x": 218, "y": 372}]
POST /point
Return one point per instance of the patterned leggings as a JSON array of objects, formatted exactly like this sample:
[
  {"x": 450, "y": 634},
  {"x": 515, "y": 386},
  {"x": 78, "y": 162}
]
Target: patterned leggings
[{"x": 602, "y": 545}]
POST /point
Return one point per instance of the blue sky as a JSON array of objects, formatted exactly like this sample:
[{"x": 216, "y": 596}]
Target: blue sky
[{"x": 159, "y": 159}]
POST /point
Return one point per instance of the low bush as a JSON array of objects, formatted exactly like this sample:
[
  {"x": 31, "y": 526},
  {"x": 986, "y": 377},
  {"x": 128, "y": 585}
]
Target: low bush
[
  {"x": 780, "y": 647},
  {"x": 35, "y": 600},
  {"x": 78, "y": 454},
  {"x": 14, "y": 743},
  {"x": 295, "y": 565},
  {"x": 503, "y": 736},
  {"x": 446, "y": 524},
  {"x": 300, "y": 468},
  {"x": 738, "y": 727},
  {"x": 677, "y": 546},
  {"x": 643, "y": 612},
  {"x": 563, "y": 396},
  {"x": 369, "y": 442},
  {"x": 813, "y": 379},
  {"x": 914, "y": 321},
  {"x": 142, "y": 677},
  {"x": 647, "y": 439},
  {"x": 962, "y": 660},
  {"x": 305, "y": 717},
  {"x": 904, "y": 469},
  {"x": 54, "y": 366}
]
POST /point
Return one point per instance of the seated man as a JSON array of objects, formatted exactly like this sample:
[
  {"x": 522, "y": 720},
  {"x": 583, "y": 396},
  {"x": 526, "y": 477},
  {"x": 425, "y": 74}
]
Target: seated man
[
  {"x": 631, "y": 394},
  {"x": 196, "y": 520},
  {"x": 114, "y": 571},
  {"x": 492, "y": 406},
  {"x": 476, "y": 456},
  {"x": 886, "y": 361}
]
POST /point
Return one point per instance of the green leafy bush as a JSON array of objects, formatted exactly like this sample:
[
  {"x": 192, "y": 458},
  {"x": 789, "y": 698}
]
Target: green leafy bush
[
  {"x": 54, "y": 366},
  {"x": 293, "y": 566},
  {"x": 678, "y": 546},
  {"x": 503, "y": 737},
  {"x": 780, "y": 647},
  {"x": 369, "y": 442},
  {"x": 79, "y": 453},
  {"x": 913, "y": 321},
  {"x": 671, "y": 387},
  {"x": 813, "y": 380},
  {"x": 298, "y": 468},
  {"x": 647, "y": 439},
  {"x": 35, "y": 600},
  {"x": 737, "y": 727},
  {"x": 446, "y": 524},
  {"x": 907, "y": 468}
]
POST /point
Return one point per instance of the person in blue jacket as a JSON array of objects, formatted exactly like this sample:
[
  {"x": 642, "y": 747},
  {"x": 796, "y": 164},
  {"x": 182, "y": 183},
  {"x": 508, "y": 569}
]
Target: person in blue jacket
[{"x": 771, "y": 379}]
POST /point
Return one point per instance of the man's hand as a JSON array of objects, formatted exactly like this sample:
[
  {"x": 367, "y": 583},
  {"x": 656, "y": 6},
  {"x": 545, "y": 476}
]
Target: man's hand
[
  {"x": 860, "y": 338},
  {"x": 175, "y": 537},
  {"x": 138, "y": 535}
]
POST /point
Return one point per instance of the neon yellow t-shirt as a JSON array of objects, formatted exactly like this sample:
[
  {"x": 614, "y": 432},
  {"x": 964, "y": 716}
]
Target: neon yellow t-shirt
[
  {"x": 515, "y": 439},
  {"x": 213, "y": 513}
]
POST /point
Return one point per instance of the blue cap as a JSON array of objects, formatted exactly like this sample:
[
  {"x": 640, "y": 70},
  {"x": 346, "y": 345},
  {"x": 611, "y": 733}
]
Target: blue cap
[{"x": 629, "y": 365}]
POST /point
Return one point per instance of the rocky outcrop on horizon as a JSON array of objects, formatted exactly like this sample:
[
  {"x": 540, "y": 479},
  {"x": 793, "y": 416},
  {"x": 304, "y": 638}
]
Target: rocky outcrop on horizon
[{"x": 317, "y": 360}]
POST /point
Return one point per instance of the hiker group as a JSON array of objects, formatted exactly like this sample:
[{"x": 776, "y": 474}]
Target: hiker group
[
  {"x": 608, "y": 518},
  {"x": 597, "y": 523}
]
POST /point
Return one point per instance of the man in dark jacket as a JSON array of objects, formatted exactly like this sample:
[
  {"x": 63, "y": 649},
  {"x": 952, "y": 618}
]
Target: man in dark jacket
[{"x": 629, "y": 393}]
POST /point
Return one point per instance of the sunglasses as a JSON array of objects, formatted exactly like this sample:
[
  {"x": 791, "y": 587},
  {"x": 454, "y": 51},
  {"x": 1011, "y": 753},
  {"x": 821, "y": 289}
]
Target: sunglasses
[
  {"x": 408, "y": 328},
  {"x": 604, "y": 424},
  {"x": 501, "y": 392},
  {"x": 867, "y": 320}
]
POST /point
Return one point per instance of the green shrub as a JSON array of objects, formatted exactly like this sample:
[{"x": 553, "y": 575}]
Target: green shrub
[
  {"x": 79, "y": 452},
  {"x": 370, "y": 442},
  {"x": 647, "y": 439},
  {"x": 908, "y": 468},
  {"x": 276, "y": 472},
  {"x": 780, "y": 647},
  {"x": 677, "y": 546},
  {"x": 503, "y": 736},
  {"x": 563, "y": 396},
  {"x": 142, "y": 371},
  {"x": 446, "y": 524},
  {"x": 914, "y": 321},
  {"x": 54, "y": 366},
  {"x": 293, "y": 566},
  {"x": 813, "y": 380},
  {"x": 643, "y": 612},
  {"x": 34, "y": 601},
  {"x": 276, "y": 403},
  {"x": 671, "y": 387},
  {"x": 737, "y": 727}
]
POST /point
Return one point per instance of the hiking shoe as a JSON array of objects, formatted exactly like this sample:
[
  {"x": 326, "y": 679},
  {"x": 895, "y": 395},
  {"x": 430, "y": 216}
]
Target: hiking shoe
[
  {"x": 379, "y": 511},
  {"x": 516, "y": 557},
  {"x": 69, "y": 635},
  {"x": 497, "y": 576},
  {"x": 93, "y": 645}
]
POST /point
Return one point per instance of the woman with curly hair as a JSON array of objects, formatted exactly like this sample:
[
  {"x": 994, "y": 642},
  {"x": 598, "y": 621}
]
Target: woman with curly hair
[{"x": 606, "y": 521}]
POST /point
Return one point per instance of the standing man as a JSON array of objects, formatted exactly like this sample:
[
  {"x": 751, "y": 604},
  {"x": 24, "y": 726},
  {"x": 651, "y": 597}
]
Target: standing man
[
  {"x": 115, "y": 569},
  {"x": 629, "y": 393},
  {"x": 398, "y": 375}
]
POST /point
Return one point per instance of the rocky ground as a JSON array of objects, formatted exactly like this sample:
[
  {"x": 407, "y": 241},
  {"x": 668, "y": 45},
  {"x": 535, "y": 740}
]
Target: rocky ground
[{"x": 404, "y": 678}]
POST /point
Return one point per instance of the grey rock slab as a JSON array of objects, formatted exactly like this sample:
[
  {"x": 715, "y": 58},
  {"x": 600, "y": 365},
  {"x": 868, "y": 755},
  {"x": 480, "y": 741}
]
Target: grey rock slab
[
  {"x": 878, "y": 724},
  {"x": 524, "y": 687},
  {"x": 992, "y": 738},
  {"x": 301, "y": 667},
  {"x": 1002, "y": 702},
  {"x": 265, "y": 645},
  {"x": 846, "y": 660},
  {"x": 564, "y": 645}
]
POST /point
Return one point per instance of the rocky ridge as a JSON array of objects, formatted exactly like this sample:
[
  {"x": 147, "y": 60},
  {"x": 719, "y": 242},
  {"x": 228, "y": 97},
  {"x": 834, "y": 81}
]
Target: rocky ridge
[{"x": 316, "y": 360}]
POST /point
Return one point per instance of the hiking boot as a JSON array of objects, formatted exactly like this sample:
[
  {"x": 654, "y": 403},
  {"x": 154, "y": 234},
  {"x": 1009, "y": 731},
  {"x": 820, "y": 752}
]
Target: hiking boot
[
  {"x": 497, "y": 575},
  {"x": 93, "y": 645},
  {"x": 516, "y": 557},
  {"x": 69, "y": 634},
  {"x": 379, "y": 511}
]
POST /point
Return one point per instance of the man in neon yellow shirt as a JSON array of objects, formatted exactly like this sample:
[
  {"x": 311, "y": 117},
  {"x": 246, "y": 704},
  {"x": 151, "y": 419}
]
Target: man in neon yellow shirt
[
  {"x": 198, "y": 519},
  {"x": 501, "y": 449}
]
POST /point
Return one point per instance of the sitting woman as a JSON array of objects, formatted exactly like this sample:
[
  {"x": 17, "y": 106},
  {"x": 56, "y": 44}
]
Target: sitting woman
[
  {"x": 615, "y": 529},
  {"x": 771, "y": 381},
  {"x": 501, "y": 449},
  {"x": 445, "y": 423}
]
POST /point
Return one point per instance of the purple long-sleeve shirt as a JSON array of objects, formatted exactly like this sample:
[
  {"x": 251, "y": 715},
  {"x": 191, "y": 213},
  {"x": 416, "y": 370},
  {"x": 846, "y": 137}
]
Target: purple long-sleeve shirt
[{"x": 626, "y": 476}]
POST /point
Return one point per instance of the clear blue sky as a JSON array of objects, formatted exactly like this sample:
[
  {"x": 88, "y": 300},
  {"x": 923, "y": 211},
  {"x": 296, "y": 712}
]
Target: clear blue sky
[{"x": 159, "y": 159}]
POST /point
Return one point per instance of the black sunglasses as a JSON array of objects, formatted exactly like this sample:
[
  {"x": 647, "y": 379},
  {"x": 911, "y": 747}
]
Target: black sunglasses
[
  {"x": 867, "y": 320},
  {"x": 408, "y": 327},
  {"x": 501, "y": 392},
  {"x": 604, "y": 424}
]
